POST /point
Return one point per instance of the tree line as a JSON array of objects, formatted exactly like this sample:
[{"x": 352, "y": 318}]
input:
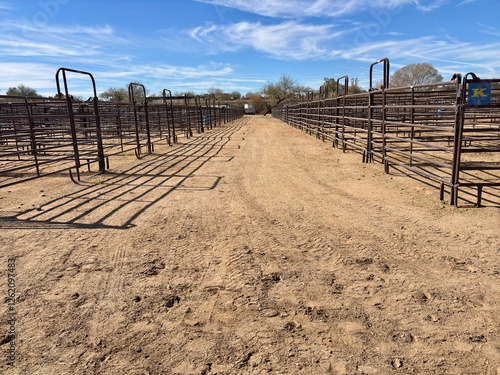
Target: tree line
[{"x": 271, "y": 94}]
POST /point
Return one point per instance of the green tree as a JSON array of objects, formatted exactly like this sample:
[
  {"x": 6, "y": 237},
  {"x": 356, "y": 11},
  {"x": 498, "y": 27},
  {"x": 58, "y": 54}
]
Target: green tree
[
  {"x": 221, "y": 95},
  {"x": 354, "y": 87},
  {"x": 415, "y": 74},
  {"x": 115, "y": 95},
  {"x": 21, "y": 90},
  {"x": 331, "y": 85}
]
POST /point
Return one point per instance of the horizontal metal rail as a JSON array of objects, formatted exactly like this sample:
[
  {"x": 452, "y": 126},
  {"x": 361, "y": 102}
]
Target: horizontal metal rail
[
  {"x": 435, "y": 130},
  {"x": 42, "y": 136}
]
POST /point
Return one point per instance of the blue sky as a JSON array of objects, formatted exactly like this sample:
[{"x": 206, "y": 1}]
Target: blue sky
[{"x": 239, "y": 45}]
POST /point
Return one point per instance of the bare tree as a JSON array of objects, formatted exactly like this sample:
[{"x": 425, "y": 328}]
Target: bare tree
[
  {"x": 258, "y": 101},
  {"x": 415, "y": 74},
  {"x": 285, "y": 88}
]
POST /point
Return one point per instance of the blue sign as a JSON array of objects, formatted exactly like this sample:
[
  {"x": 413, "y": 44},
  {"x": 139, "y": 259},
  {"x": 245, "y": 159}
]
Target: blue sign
[{"x": 479, "y": 93}]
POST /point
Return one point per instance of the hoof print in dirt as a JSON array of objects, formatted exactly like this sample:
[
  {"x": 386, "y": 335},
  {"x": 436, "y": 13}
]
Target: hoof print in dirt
[
  {"x": 477, "y": 339},
  {"x": 337, "y": 289},
  {"x": 271, "y": 279},
  {"x": 385, "y": 268},
  {"x": 244, "y": 361},
  {"x": 171, "y": 301},
  {"x": 424, "y": 296},
  {"x": 364, "y": 261},
  {"x": 292, "y": 326},
  {"x": 152, "y": 268}
]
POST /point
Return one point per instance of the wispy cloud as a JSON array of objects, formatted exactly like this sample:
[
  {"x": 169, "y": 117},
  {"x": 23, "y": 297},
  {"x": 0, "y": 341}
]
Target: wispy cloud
[
  {"x": 346, "y": 35},
  {"x": 286, "y": 40},
  {"x": 74, "y": 33},
  {"x": 155, "y": 76},
  {"x": 489, "y": 30},
  {"x": 38, "y": 76},
  {"x": 429, "y": 5},
  {"x": 465, "y": 2},
  {"x": 428, "y": 49},
  {"x": 318, "y": 8},
  {"x": 5, "y": 6}
]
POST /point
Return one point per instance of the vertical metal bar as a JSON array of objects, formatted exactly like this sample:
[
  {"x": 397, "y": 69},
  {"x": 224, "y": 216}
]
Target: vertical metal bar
[
  {"x": 131, "y": 93},
  {"x": 197, "y": 101},
  {"x": 386, "y": 72},
  {"x": 119, "y": 121},
  {"x": 131, "y": 97},
  {"x": 14, "y": 128},
  {"x": 189, "y": 131},
  {"x": 458, "y": 135},
  {"x": 32, "y": 136},
  {"x": 412, "y": 121},
  {"x": 213, "y": 106},
  {"x": 170, "y": 116},
  {"x": 385, "y": 85},
  {"x": 346, "y": 85},
  {"x": 383, "y": 129},
  {"x": 72, "y": 124}
]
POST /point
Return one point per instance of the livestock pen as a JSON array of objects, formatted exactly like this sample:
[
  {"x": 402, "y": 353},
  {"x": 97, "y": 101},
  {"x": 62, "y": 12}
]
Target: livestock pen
[
  {"x": 445, "y": 132},
  {"x": 41, "y": 136}
]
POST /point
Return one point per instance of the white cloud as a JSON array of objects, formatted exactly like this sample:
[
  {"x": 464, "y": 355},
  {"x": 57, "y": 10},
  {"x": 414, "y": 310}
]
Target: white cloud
[
  {"x": 481, "y": 58},
  {"x": 37, "y": 76},
  {"x": 294, "y": 40},
  {"x": 5, "y": 6},
  {"x": 286, "y": 40},
  {"x": 466, "y": 2},
  {"x": 22, "y": 38},
  {"x": 489, "y": 30},
  {"x": 318, "y": 8}
]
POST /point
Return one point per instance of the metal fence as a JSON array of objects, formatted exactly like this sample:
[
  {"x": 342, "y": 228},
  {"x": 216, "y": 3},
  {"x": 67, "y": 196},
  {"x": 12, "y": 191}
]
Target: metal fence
[
  {"x": 41, "y": 136},
  {"x": 447, "y": 132}
]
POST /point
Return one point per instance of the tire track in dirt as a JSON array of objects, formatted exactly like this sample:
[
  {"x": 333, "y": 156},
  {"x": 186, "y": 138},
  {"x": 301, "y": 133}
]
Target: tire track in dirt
[
  {"x": 287, "y": 265},
  {"x": 386, "y": 221},
  {"x": 363, "y": 251},
  {"x": 269, "y": 227}
]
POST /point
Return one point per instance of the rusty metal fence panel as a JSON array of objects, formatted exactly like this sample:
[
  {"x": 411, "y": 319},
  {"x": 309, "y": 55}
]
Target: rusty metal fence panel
[
  {"x": 477, "y": 161},
  {"x": 434, "y": 131},
  {"x": 35, "y": 139},
  {"x": 42, "y": 136}
]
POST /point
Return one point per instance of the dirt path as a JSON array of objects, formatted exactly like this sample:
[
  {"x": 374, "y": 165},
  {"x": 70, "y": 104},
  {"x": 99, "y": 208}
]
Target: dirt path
[{"x": 249, "y": 249}]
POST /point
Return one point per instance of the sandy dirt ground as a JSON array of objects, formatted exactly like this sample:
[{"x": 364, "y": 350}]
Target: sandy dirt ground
[{"x": 252, "y": 248}]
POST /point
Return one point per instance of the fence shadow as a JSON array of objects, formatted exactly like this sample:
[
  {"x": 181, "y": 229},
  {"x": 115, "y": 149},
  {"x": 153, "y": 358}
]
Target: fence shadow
[{"x": 119, "y": 198}]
